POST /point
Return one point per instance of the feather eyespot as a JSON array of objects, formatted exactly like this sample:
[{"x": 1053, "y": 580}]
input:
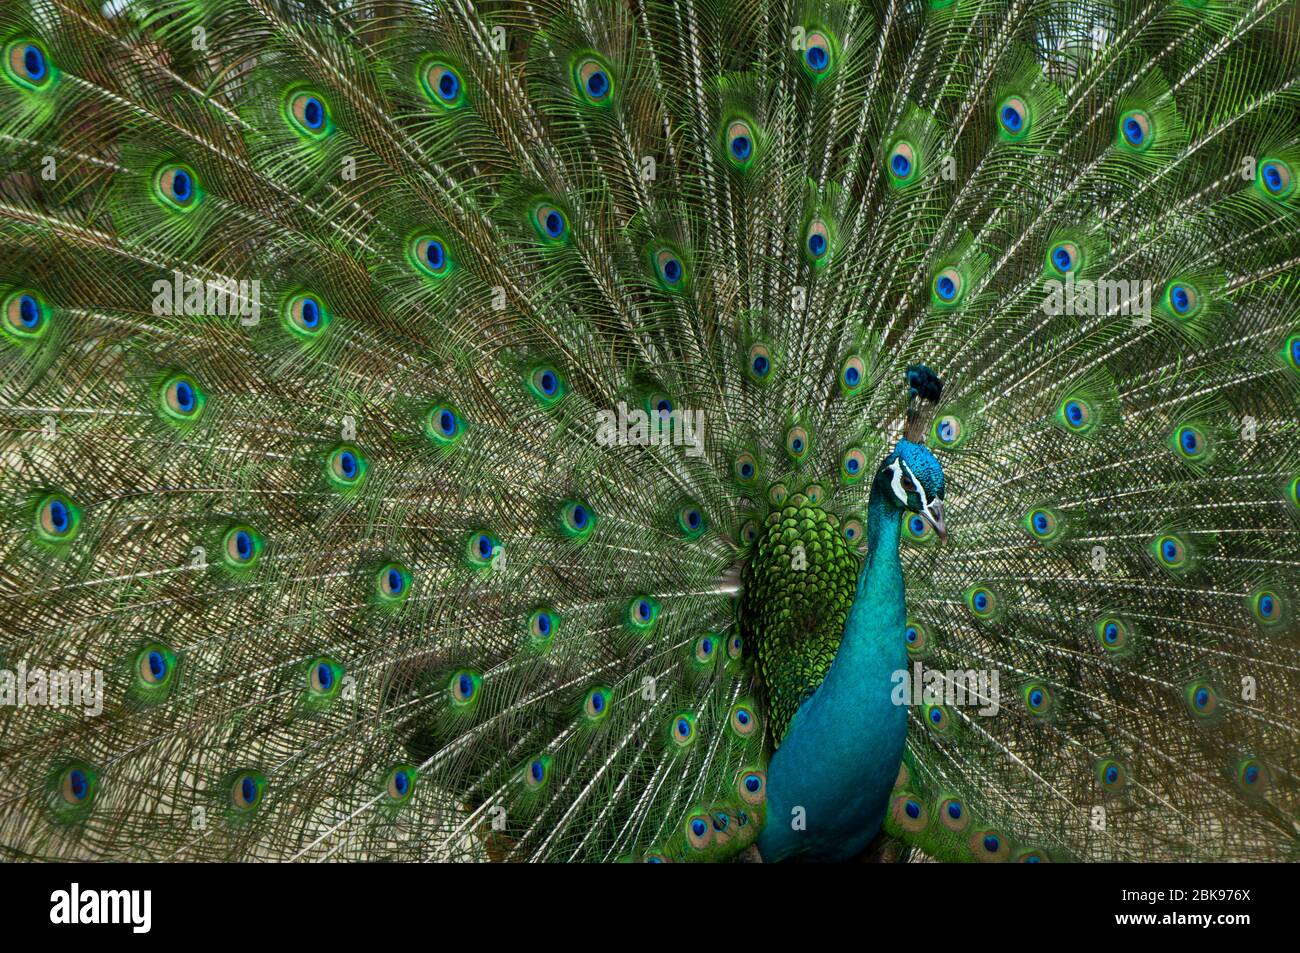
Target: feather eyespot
[
  {"x": 431, "y": 256},
  {"x": 26, "y": 315},
  {"x": 681, "y": 730},
  {"x": 551, "y": 223},
  {"x": 797, "y": 443},
  {"x": 1013, "y": 117},
  {"x": 852, "y": 531},
  {"x": 752, "y": 786},
  {"x": 546, "y": 384},
  {"x": 902, "y": 162},
  {"x": 77, "y": 785},
  {"x": 953, "y": 815},
  {"x": 691, "y": 521},
  {"x": 760, "y": 362},
  {"x": 1076, "y": 415},
  {"x": 741, "y": 143},
  {"x": 1267, "y": 607},
  {"x": 777, "y": 494},
  {"x": 1042, "y": 524},
  {"x": 177, "y": 187},
  {"x": 1202, "y": 699},
  {"x": 981, "y": 601},
  {"x": 346, "y": 467},
  {"x": 669, "y": 269},
  {"x": 989, "y": 847},
  {"x": 1253, "y": 776},
  {"x": 1275, "y": 177},
  {"x": 817, "y": 241},
  {"x": 1037, "y": 699},
  {"x": 57, "y": 518},
  {"x": 818, "y": 55},
  {"x": 242, "y": 547},
  {"x": 463, "y": 688},
  {"x": 948, "y": 287},
  {"x": 482, "y": 550},
  {"x": 306, "y": 315},
  {"x": 400, "y": 783},
  {"x": 743, "y": 721},
  {"x": 182, "y": 399},
  {"x": 595, "y": 705},
  {"x": 1064, "y": 257},
  {"x": 593, "y": 80},
  {"x": 324, "y": 680},
  {"x": 247, "y": 789},
  {"x": 577, "y": 520},
  {"x": 27, "y": 64},
  {"x": 442, "y": 85},
  {"x": 1190, "y": 442},
  {"x": 1170, "y": 551},
  {"x": 735, "y": 647},
  {"x": 1112, "y": 633},
  {"x": 908, "y": 812},
  {"x": 393, "y": 584},
  {"x": 1182, "y": 298},
  {"x": 309, "y": 114},
  {"x": 1135, "y": 130},
  {"x": 1111, "y": 775},
  {"x": 745, "y": 468},
  {"x": 852, "y": 374}
]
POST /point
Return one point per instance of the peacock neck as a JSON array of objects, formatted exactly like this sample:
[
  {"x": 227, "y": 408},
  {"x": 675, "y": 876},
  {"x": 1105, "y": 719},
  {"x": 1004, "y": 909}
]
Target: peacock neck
[{"x": 840, "y": 756}]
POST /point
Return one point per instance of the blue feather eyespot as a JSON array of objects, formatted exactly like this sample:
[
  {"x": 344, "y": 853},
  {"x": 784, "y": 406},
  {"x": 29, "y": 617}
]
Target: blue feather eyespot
[
  {"x": 543, "y": 624},
  {"x": 1013, "y": 117},
  {"x": 482, "y": 550},
  {"x": 916, "y": 638},
  {"x": 853, "y": 372},
  {"x": 1043, "y": 524},
  {"x": 77, "y": 785},
  {"x": 442, "y": 84},
  {"x": 853, "y": 465},
  {"x": 777, "y": 494},
  {"x": 463, "y": 687},
  {"x": 642, "y": 614},
  {"x": 989, "y": 847},
  {"x": 916, "y": 529},
  {"x": 177, "y": 187},
  {"x": 593, "y": 80},
  {"x": 181, "y": 400},
  {"x": 658, "y": 405},
  {"x": 1112, "y": 634},
  {"x": 1135, "y": 130},
  {"x": 691, "y": 521},
  {"x": 392, "y": 584},
  {"x": 241, "y": 547},
  {"x": 814, "y": 493},
  {"x": 908, "y": 812},
  {"x": 595, "y": 705},
  {"x": 1064, "y": 257},
  {"x": 797, "y": 443},
  {"x": 749, "y": 532},
  {"x": 546, "y": 384},
  {"x": 324, "y": 681},
  {"x": 949, "y": 430},
  {"x": 1037, "y": 699},
  {"x": 27, "y": 65},
  {"x": 759, "y": 362},
  {"x": 1170, "y": 551},
  {"x": 1111, "y": 775},
  {"x": 1190, "y": 442},
  {"x": 1182, "y": 299},
  {"x": 549, "y": 221},
  {"x": 432, "y": 257},
  {"x": 743, "y": 721},
  {"x": 745, "y": 468},
  {"x": 953, "y": 815},
  {"x": 740, "y": 141},
  {"x": 306, "y": 316},
  {"x": 26, "y": 316},
  {"x": 537, "y": 773},
  {"x": 751, "y": 785},
  {"x": 699, "y": 831},
  {"x": 1253, "y": 776},
  {"x": 819, "y": 53},
  {"x": 1291, "y": 351},
  {"x": 853, "y": 531},
  {"x": 736, "y": 647},
  {"x": 669, "y": 269},
  {"x": 57, "y": 518},
  {"x": 817, "y": 242},
  {"x": 681, "y": 729},
  {"x": 400, "y": 783},
  {"x": 577, "y": 520},
  {"x": 345, "y": 468},
  {"x": 937, "y": 718},
  {"x": 443, "y": 425},
  {"x": 947, "y": 287},
  {"x": 246, "y": 790},
  {"x": 1275, "y": 178},
  {"x": 308, "y": 114},
  {"x": 901, "y": 163},
  {"x": 155, "y": 664},
  {"x": 1202, "y": 699},
  {"x": 981, "y": 602},
  {"x": 1267, "y": 607},
  {"x": 1076, "y": 415},
  {"x": 703, "y": 650}
]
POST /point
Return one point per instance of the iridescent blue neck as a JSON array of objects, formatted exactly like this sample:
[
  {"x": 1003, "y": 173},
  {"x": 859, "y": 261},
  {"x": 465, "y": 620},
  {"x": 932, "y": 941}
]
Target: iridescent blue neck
[{"x": 840, "y": 755}]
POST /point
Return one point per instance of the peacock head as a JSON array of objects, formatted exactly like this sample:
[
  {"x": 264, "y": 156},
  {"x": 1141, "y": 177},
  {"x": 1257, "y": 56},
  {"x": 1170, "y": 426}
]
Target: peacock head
[{"x": 912, "y": 479}]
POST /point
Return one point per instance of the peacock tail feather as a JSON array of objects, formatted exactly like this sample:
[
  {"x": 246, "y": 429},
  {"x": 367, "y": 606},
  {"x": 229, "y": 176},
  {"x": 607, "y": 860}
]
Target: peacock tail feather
[{"x": 447, "y": 430}]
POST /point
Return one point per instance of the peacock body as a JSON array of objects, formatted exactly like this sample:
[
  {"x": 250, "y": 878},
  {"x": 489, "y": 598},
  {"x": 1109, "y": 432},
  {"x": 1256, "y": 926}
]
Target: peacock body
[{"x": 514, "y": 431}]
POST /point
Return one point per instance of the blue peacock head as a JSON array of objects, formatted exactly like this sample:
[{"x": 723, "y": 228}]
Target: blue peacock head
[{"x": 911, "y": 477}]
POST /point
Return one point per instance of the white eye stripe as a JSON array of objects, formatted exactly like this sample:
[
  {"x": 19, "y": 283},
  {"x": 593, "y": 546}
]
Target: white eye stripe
[{"x": 920, "y": 490}]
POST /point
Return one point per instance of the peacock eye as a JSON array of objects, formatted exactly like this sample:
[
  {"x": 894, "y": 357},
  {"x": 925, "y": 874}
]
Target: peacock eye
[
  {"x": 309, "y": 113},
  {"x": 909, "y": 485},
  {"x": 593, "y": 80},
  {"x": 26, "y": 62},
  {"x": 442, "y": 85}
]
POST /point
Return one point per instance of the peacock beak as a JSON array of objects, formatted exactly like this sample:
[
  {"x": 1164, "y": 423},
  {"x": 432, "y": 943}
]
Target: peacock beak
[{"x": 934, "y": 513}]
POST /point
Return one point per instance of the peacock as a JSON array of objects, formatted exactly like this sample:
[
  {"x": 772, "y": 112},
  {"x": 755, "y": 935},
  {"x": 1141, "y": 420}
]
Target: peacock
[{"x": 649, "y": 430}]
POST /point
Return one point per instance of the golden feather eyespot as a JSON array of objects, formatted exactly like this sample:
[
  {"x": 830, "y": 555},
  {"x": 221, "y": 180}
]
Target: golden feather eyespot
[
  {"x": 309, "y": 113},
  {"x": 1266, "y": 606},
  {"x": 26, "y": 62},
  {"x": 1013, "y": 117},
  {"x": 177, "y": 186},
  {"x": 183, "y": 399},
  {"x": 981, "y": 601},
  {"x": 242, "y": 546},
  {"x": 1037, "y": 699},
  {"x": 1135, "y": 130},
  {"x": 323, "y": 676},
  {"x": 953, "y": 815},
  {"x": 1170, "y": 551},
  {"x": 1202, "y": 699},
  {"x": 947, "y": 286},
  {"x": 818, "y": 55},
  {"x": 431, "y": 256},
  {"x": 918, "y": 528},
  {"x": 246, "y": 790},
  {"x": 777, "y": 493},
  {"x": 26, "y": 315},
  {"x": 749, "y": 532},
  {"x": 853, "y": 531},
  {"x": 57, "y": 517},
  {"x": 1064, "y": 257},
  {"x": 155, "y": 664},
  {"x": 1111, "y": 775},
  {"x": 1253, "y": 776},
  {"x": 989, "y": 847},
  {"x": 596, "y": 705},
  {"x": 77, "y": 785},
  {"x": 854, "y": 465},
  {"x": 902, "y": 161},
  {"x": 740, "y": 143},
  {"x": 743, "y": 720},
  {"x": 682, "y": 729},
  {"x": 745, "y": 468},
  {"x": 915, "y": 638},
  {"x": 852, "y": 373},
  {"x": 735, "y": 647},
  {"x": 464, "y": 687},
  {"x": 394, "y": 582},
  {"x": 643, "y": 613},
  {"x": 759, "y": 361},
  {"x": 797, "y": 442},
  {"x": 594, "y": 80},
  {"x": 908, "y": 812},
  {"x": 1182, "y": 299},
  {"x": 936, "y": 718},
  {"x": 577, "y": 520},
  {"x": 1112, "y": 633},
  {"x": 443, "y": 85},
  {"x": 705, "y": 648},
  {"x": 542, "y": 626},
  {"x": 551, "y": 223},
  {"x": 814, "y": 493},
  {"x": 546, "y": 384},
  {"x": 1276, "y": 178},
  {"x": 537, "y": 772},
  {"x": 1190, "y": 442},
  {"x": 752, "y": 786}
]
